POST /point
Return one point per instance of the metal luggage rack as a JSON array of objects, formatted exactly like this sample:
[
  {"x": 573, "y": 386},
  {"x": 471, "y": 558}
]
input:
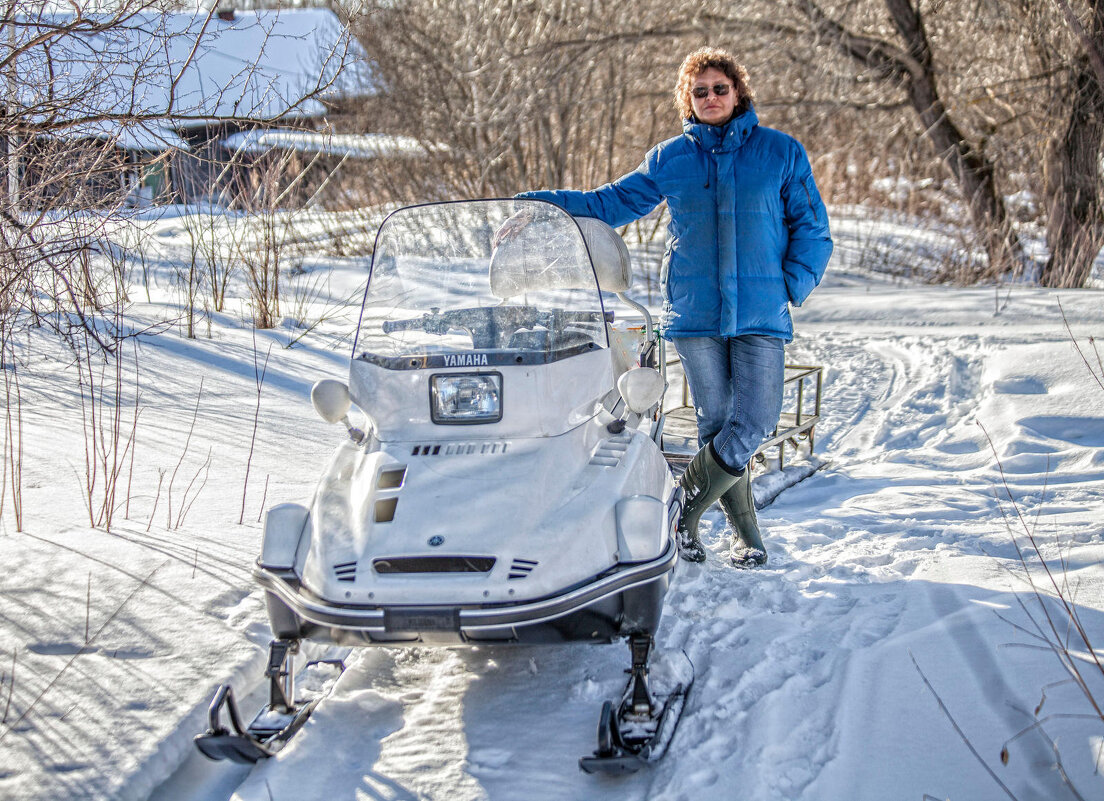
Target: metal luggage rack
[{"x": 796, "y": 425}]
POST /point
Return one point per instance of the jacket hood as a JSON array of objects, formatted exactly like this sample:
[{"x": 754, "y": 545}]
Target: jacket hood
[{"x": 721, "y": 138}]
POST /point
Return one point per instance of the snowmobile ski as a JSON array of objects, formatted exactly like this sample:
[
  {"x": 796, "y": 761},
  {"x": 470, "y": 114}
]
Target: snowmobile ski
[
  {"x": 273, "y": 726},
  {"x": 641, "y": 727}
]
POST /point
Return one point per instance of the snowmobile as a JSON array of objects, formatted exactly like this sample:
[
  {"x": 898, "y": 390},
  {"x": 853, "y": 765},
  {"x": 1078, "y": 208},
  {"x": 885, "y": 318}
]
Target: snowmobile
[{"x": 507, "y": 484}]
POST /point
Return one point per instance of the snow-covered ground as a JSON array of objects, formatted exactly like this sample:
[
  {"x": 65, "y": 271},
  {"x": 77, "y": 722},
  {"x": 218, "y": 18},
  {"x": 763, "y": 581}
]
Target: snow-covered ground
[{"x": 894, "y": 601}]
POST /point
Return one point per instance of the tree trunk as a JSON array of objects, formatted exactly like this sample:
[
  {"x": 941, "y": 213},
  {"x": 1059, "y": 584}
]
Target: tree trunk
[
  {"x": 1075, "y": 209},
  {"x": 972, "y": 170},
  {"x": 912, "y": 69},
  {"x": 975, "y": 177}
]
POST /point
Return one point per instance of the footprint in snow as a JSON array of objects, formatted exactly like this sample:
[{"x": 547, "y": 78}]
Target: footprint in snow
[{"x": 61, "y": 648}]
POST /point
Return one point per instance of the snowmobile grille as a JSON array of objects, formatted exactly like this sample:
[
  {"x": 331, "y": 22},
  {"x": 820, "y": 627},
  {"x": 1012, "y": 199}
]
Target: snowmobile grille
[
  {"x": 521, "y": 568},
  {"x": 461, "y": 449},
  {"x": 434, "y": 564},
  {"x": 345, "y": 571}
]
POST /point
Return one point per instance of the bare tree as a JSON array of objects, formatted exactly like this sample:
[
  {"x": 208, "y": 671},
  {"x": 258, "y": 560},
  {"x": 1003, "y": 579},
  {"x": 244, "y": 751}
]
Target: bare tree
[
  {"x": 1071, "y": 56},
  {"x": 961, "y": 106},
  {"x": 1009, "y": 94},
  {"x": 88, "y": 103},
  {"x": 903, "y": 58},
  {"x": 507, "y": 95}
]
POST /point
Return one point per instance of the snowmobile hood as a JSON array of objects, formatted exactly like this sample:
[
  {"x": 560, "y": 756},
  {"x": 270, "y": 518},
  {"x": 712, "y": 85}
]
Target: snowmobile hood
[{"x": 477, "y": 521}]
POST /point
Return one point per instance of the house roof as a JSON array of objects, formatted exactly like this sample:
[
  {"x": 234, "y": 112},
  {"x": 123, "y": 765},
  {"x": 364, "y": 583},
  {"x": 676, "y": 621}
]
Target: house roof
[
  {"x": 143, "y": 77},
  {"x": 358, "y": 146}
]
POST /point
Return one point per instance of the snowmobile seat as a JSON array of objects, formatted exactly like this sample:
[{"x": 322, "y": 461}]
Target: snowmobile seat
[
  {"x": 526, "y": 261},
  {"x": 613, "y": 267},
  {"x": 608, "y": 254}
]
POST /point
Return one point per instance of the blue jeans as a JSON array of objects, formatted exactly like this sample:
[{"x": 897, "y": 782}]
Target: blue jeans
[{"x": 736, "y": 383}]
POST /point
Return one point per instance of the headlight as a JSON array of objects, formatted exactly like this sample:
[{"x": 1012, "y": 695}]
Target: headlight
[{"x": 460, "y": 398}]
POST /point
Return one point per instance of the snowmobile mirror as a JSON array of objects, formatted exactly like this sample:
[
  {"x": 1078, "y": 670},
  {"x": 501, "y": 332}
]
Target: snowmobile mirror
[
  {"x": 331, "y": 400},
  {"x": 641, "y": 388}
]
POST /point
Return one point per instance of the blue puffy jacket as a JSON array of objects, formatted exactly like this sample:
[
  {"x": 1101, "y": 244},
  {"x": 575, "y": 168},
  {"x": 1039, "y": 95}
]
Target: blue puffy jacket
[{"x": 748, "y": 234}]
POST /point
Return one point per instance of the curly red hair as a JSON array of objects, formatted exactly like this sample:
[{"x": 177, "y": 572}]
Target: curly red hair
[{"x": 698, "y": 62}]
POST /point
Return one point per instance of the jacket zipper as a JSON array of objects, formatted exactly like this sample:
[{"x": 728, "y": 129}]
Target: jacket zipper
[{"x": 809, "y": 197}]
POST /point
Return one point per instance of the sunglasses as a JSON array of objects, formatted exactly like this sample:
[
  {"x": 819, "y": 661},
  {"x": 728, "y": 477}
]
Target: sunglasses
[{"x": 719, "y": 89}]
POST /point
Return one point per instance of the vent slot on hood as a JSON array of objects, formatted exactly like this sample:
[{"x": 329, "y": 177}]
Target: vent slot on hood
[
  {"x": 385, "y": 510},
  {"x": 391, "y": 479},
  {"x": 345, "y": 571},
  {"x": 461, "y": 449},
  {"x": 434, "y": 564},
  {"x": 610, "y": 452},
  {"x": 521, "y": 568}
]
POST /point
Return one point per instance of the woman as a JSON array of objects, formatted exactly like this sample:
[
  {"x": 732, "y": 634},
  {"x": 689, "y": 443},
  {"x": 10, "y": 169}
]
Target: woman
[{"x": 748, "y": 237}]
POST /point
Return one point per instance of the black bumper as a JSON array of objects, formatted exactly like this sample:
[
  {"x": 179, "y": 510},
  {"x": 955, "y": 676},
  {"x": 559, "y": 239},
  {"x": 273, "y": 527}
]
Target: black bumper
[{"x": 627, "y": 599}]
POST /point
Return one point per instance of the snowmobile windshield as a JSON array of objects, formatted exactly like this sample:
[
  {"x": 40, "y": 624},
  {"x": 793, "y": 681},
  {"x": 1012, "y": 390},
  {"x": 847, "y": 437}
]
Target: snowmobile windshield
[{"x": 479, "y": 283}]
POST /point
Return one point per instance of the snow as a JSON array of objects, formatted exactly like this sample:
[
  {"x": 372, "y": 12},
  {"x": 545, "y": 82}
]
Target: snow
[{"x": 893, "y": 566}]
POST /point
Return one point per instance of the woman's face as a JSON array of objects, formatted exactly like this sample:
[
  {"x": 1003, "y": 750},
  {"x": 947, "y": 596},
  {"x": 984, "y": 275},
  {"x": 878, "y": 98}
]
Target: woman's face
[{"x": 713, "y": 109}]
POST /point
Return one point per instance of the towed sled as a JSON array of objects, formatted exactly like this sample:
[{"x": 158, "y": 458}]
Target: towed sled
[{"x": 507, "y": 484}]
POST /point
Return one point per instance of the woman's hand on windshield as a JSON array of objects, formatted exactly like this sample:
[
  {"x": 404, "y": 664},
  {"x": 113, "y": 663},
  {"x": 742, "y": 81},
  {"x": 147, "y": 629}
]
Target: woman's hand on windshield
[{"x": 512, "y": 227}]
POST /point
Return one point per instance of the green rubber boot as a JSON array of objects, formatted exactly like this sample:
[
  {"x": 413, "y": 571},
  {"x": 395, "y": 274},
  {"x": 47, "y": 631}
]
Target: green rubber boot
[
  {"x": 704, "y": 481},
  {"x": 739, "y": 507}
]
